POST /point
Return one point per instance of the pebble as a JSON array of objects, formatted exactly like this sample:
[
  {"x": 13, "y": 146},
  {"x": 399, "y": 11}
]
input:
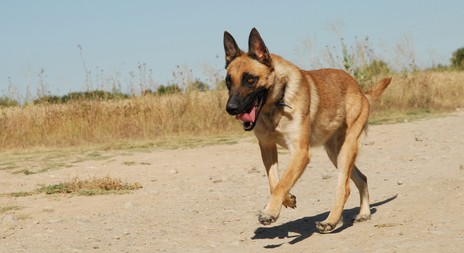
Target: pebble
[
  {"x": 253, "y": 170},
  {"x": 400, "y": 182},
  {"x": 128, "y": 205},
  {"x": 173, "y": 171},
  {"x": 236, "y": 243},
  {"x": 9, "y": 219},
  {"x": 48, "y": 209},
  {"x": 326, "y": 176},
  {"x": 53, "y": 221},
  {"x": 369, "y": 143}
]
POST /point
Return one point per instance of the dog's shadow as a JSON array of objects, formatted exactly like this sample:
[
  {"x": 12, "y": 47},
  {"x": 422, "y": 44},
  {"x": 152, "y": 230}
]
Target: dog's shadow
[{"x": 303, "y": 228}]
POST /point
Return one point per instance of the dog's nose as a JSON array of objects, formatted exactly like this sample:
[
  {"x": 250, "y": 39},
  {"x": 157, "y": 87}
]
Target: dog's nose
[{"x": 232, "y": 108}]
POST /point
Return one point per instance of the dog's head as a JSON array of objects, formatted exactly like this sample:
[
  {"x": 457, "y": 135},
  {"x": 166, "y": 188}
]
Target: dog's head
[{"x": 247, "y": 78}]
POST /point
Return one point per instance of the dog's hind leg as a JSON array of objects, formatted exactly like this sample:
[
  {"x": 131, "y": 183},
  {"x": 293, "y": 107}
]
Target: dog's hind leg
[
  {"x": 345, "y": 164},
  {"x": 359, "y": 179},
  {"x": 361, "y": 183},
  {"x": 347, "y": 141},
  {"x": 270, "y": 161}
]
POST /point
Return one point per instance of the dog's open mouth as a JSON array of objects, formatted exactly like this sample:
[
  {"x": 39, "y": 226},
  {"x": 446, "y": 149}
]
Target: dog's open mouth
[{"x": 250, "y": 116}]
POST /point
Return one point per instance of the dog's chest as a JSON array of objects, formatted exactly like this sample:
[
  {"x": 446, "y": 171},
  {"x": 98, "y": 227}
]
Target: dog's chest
[{"x": 277, "y": 126}]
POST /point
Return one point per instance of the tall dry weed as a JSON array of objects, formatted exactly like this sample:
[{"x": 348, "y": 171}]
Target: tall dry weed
[{"x": 426, "y": 90}]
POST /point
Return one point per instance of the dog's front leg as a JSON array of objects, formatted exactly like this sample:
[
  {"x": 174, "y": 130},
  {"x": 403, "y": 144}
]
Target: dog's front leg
[
  {"x": 270, "y": 161},
  {"x": 280, "y": 192}
]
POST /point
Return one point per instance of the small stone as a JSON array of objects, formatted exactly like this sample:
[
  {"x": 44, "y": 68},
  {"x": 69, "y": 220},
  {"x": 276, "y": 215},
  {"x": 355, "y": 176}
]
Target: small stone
[
  {"x": 236, "y": 243},
  {"x": 369, "y": 143},
  {"x": 326, "y": 176},
  {"x": 253, "y": 170},
  {"x": 128, "y": 205},
  {"x": 173, "y": 171},
  {"x": 399, "y": 182},
  {"x": 48, "y": 209},
  {"x": 9, "y": 219}
]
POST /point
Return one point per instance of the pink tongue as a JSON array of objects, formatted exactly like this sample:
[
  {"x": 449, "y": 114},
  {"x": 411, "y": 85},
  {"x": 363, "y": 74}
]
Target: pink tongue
[{"x": 248, "y": 117}]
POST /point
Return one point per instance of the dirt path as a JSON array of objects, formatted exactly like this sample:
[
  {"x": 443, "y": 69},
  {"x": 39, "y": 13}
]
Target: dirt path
[{"x": 207, "y": 200}]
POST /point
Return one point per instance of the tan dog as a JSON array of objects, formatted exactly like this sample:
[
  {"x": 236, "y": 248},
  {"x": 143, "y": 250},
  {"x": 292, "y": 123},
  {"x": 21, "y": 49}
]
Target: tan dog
[{"x": 299, "y": 109}]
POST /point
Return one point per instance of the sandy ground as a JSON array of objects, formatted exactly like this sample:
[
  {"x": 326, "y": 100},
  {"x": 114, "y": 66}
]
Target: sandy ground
[{"x": 207, "y": 200}]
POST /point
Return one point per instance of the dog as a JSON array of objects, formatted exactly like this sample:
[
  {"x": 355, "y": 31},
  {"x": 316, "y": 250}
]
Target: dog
[{"x": 299, "y": 109}]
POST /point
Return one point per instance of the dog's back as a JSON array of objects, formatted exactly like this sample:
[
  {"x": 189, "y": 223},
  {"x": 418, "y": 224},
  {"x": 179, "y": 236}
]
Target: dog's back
[{"x": 340, "y": 102}]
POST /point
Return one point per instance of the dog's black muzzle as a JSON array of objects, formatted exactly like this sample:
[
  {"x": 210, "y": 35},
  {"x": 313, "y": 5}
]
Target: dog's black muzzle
[
  {"x": 236, "y": 104},
  {"x": 246, "y": 109}
]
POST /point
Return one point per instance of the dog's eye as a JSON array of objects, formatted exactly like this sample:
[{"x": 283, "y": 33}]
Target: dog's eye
[{"x": 249, "y": 79}]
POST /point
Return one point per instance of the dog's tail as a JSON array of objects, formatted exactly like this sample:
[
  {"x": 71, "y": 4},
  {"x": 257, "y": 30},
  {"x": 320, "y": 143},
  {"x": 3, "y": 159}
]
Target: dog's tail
[{"x": 375, "y": 91}]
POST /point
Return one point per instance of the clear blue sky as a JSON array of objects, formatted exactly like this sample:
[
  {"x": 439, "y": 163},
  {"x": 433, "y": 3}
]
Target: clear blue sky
[{"x": 118, "y": 35}]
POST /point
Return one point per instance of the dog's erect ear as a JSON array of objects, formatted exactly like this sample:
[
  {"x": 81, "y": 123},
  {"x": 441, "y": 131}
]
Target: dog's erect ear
[
  {"x": 231, "y": 48},
  {"x": 257, "y": 49}
]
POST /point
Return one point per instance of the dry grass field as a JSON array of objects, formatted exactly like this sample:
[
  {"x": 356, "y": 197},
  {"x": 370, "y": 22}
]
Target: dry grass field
[
  {"x": 182, "y": 117},
  {"x": 148, "y": 118}
]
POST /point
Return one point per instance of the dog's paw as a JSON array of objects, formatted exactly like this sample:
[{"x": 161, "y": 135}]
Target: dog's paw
[
  {"x": 361, "y": 218},
  {"x": 325, "y": 227},
  {"x": 290, "y": 201},
  {"x": 266, "y": 219}
]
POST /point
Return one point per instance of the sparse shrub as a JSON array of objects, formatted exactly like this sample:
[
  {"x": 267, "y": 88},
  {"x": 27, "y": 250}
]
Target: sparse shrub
[
  {"x": 98, "y": 95},
  {"x": 457, "y": 60},
  {"x": 48, "y": 99},
  {"x": 147, "y": 92},
  {"x": 439, "y": 68},
  {"x": 198, "y": 85},
  {"x": 168, "y": 89},
  {"x": 8, "y": 102},
  {"x": 366, "y": 73}
]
